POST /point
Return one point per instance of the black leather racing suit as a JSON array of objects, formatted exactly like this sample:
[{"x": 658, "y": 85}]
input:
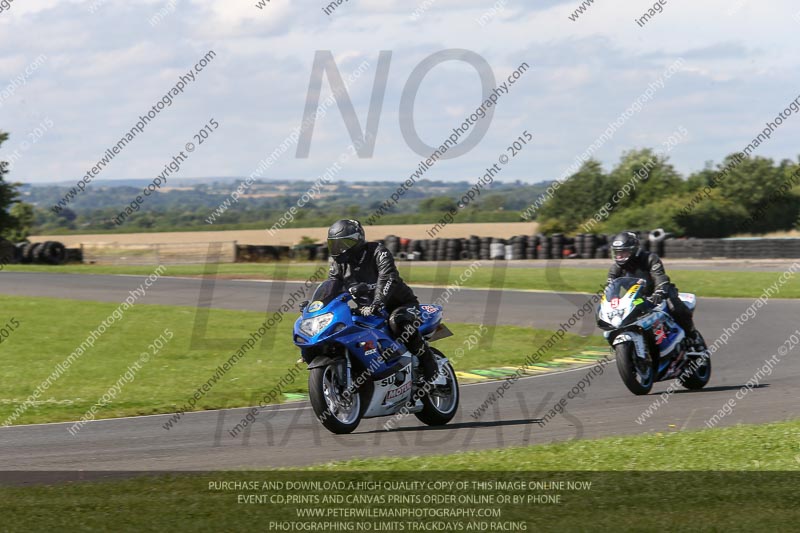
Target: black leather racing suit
[
  {"x": 374, "y": 265},
  {"x": 648, "y": 265}
]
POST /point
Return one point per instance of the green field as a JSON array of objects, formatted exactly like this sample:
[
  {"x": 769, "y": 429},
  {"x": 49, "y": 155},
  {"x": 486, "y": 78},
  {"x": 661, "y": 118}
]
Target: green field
[
  {"x": 50, "y": 329},
  {"x": 742, "y": 478},
  {"x": 727, "y": 284}
]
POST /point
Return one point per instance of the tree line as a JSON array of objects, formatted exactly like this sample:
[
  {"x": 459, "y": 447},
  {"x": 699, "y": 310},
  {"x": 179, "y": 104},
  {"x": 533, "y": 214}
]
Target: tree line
[
  {"x": 758, "y": 195},
  {"x": 642, "y": 191}
]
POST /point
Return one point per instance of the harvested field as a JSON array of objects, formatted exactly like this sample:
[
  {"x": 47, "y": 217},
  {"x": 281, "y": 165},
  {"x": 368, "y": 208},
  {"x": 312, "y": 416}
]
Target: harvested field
[{"x": 292, "y": 236}]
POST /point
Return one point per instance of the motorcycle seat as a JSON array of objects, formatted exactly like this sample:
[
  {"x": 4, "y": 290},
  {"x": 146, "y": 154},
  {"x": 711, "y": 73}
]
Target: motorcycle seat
[
  {"x": 689, "y": 299},
  {"x": 432, "y": 317}
]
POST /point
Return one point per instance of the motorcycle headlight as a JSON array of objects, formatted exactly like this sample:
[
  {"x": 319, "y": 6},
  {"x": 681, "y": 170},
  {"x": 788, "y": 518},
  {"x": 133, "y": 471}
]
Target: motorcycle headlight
[{"x": 315, "y": 324}]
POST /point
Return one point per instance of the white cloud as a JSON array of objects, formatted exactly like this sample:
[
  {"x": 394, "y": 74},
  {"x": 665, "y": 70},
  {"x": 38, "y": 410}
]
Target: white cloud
[{"x": 106, "y": 68}]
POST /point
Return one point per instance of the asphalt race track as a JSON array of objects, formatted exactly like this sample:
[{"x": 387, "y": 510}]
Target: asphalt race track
[{"x": 289, "y": 434}]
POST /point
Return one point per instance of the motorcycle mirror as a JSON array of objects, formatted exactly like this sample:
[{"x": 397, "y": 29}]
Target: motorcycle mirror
[{"x": 303, "y": 304}]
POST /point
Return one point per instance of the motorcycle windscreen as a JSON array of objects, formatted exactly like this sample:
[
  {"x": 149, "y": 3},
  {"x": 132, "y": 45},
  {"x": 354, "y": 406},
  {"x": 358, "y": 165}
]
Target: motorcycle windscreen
[
  {"x": 327, "y": 291},
  {"x": 621, "y": 287}
]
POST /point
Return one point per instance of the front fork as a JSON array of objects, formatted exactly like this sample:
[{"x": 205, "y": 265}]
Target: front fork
[
  {"x": 348, "y": 376},
  {"x": 636, "y": 338},
  {"x": 347, "y": 379}
]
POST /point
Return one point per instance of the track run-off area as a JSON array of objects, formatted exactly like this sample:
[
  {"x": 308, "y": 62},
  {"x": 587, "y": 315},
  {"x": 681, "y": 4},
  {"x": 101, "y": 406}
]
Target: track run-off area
[{"x": 289, "y": 434}]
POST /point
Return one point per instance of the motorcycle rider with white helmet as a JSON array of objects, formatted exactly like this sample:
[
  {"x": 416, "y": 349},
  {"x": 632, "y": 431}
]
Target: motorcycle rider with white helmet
[{"x": 631, "y": 261}]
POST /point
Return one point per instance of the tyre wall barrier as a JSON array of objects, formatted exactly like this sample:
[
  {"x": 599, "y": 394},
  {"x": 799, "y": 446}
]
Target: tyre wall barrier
[
  {"x": 540, "y": 246},
  {"x": 256, "y": 254},
  {"x": 732, "y": 248},
  {"x": 42, "y": 253}
]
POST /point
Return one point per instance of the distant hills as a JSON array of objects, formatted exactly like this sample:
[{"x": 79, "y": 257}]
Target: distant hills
[{"x": 207, "y": 203}]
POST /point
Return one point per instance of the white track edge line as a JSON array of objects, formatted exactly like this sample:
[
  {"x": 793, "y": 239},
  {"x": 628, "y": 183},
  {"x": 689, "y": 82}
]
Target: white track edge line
[{"x": 275, "y": 408}]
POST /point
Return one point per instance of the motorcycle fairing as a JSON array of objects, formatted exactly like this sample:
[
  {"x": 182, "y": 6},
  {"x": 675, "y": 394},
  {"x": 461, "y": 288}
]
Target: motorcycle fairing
[{"x": 366, "y": 339}]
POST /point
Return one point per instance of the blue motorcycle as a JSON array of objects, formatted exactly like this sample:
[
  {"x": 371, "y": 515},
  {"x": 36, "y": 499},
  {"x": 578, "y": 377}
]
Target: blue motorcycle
[{"x": 358, "y": 370}]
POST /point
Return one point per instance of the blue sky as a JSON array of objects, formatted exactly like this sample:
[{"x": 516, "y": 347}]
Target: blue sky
[{"x": 105, "y": 64}]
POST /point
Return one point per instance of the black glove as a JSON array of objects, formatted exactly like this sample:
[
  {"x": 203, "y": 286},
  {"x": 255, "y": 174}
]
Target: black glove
[
  {"x": 658, "y": 297},
  {"x": 359, "y": 289}
]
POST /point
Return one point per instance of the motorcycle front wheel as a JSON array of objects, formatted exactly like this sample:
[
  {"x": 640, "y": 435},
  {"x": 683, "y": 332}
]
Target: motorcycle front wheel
[
  {"x": 338, "y": 412},
  {"x": 638, "y": 374}
]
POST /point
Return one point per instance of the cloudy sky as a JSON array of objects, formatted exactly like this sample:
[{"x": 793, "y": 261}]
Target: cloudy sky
[{"x": 102, "y": 63}]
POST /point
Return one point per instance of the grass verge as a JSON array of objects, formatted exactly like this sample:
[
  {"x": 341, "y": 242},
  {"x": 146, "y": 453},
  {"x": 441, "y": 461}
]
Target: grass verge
[
  {"x": 51, "y": 329},
  {"x": 728, "y": 284},
  {"x": 773, "y": 447},
  {"x": 742, "y": 478}
]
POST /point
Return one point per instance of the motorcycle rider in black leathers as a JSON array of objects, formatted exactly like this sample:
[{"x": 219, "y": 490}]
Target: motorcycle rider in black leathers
[
  {"x": 630, "y": 260},
  {"x": 355, "y": 261}
]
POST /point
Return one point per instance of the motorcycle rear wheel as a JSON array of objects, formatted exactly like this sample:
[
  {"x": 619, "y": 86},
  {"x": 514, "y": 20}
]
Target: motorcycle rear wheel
[
  {"x": 440, "y": 405},
  {"x": 700, "y": 377},
  {"x": 637, "y": 375}
]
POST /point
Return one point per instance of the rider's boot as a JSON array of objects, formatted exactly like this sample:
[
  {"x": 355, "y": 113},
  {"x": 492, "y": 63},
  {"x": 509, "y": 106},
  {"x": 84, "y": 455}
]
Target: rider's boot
[
  {"x": 417, "y": 345},
  {"x": 428, "y": 362},
  {"x": 429, "y": 367},
  {"x": 696, "y": 340}
]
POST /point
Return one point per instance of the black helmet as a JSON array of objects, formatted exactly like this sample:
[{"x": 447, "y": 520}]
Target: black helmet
[
  {"x": 624, "y": 246},
  {"x": 345, "y": 237}
]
